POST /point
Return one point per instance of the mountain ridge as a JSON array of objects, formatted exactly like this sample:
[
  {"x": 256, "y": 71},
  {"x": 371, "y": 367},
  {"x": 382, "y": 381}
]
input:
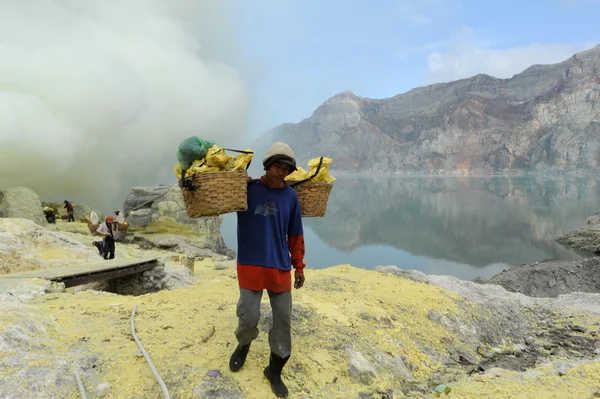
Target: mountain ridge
[{"x": 544, "y": 119}]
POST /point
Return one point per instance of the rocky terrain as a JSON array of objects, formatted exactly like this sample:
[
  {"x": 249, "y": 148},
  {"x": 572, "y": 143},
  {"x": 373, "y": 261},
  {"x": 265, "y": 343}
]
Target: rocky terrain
[
  {"x": 545, "y": 119},
  {"x": 357, "y": 333},
  {"x": 586, "y": 239},
  {"x": 474, "y": 340},
  {"x": 551, "y": 278},
  {"x": 384, "y": 333}
]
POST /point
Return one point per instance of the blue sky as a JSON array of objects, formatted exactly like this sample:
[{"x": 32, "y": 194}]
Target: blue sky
[{"x": 301, "y": 52}]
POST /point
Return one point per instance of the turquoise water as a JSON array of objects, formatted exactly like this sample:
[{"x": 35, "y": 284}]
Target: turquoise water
[{"x": 460, "y": 226}]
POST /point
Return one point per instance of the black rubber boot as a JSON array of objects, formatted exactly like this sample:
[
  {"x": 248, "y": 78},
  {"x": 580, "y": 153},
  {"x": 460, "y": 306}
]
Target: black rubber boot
[
  {"x": 273, "y": 374},
  {"x": 238, "y": 358}
]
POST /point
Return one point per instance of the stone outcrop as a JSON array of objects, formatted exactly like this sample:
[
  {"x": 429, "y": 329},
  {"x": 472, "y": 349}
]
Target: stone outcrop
[
  {"x": 153, "y": 280},
  {"x": 585, "y": 239},
  {"x": 545, "y": 119},
  {"x": 158, "y": 211},
  {"x": 25, "y": 245},
  {"x": 551, "y": 278},
  {"x": 21, "y": 202}
]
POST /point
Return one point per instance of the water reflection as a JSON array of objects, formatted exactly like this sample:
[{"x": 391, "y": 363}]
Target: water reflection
[{"x": 473, "y": 221}]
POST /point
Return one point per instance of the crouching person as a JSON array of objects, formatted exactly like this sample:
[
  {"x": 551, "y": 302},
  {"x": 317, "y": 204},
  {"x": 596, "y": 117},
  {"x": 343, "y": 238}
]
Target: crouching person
[
  {"x": 108, "y": 242},
  {"x": 270, "y": 243}
]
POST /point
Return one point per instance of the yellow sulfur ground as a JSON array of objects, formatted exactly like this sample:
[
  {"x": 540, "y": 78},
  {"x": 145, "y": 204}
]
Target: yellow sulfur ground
[{"x": 342, "y": 307}]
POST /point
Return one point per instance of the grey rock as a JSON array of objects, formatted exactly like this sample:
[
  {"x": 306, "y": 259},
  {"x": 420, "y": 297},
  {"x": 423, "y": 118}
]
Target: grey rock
[
  {"x": 393, "y": 365},
  {"x": 222, "y": 265},
  {"x": 167, "y": 242},
  {"x": 551, "y": 278},
  {"x": 21, "y": 202},
  {"x": 360, "y": 369},
  {"x": 585, "y": 239},
  {"x": 102, "y": 389}
]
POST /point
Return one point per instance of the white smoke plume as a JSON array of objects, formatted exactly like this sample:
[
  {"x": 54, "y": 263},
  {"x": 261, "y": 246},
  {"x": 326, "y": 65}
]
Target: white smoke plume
[{"x": 95, "y": 96}]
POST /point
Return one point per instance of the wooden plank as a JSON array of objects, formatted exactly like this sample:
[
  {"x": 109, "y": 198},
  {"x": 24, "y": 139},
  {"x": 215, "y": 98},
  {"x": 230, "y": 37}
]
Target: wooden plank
[
  {"x": 78, "y": 270},
  {"x": 72, "y": 281}
]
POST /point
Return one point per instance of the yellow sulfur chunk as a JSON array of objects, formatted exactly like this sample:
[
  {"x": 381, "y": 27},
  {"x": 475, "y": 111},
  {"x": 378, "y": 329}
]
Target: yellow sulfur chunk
[
  {"x": 177, "y": 170},
  {"x": 297, "y": 175},
  {"x": 201, "y": 169},
  {"x": 230, "y": 164},
  {"x": 213, "y": 150},
  {"x": 313, "y": 163},
  {"x": 241, "y": 160},
  {"x": 322, "y": 177},
  {"x": 218, "y": 160}
]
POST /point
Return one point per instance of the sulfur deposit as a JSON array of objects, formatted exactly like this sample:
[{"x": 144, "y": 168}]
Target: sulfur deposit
[
  {"x": 25, "y": 245},
  {"x": 322, "y": 176},
  {"x": 357, "y": 333},
  {"x": 216, "y": 160}
]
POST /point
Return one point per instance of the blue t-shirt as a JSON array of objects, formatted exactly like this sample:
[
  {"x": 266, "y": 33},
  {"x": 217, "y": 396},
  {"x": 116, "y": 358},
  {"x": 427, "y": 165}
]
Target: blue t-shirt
[{"x": 272, "y": 215}]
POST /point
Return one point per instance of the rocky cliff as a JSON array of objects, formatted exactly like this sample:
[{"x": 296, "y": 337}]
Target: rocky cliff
[{"x": 545, "y": 119}]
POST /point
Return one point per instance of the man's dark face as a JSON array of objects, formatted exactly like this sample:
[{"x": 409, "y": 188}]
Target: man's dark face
[{"x": 278, "y": 171}]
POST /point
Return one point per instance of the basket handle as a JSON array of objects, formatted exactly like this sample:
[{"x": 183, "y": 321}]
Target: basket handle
[{"x": 316, "y": 173}]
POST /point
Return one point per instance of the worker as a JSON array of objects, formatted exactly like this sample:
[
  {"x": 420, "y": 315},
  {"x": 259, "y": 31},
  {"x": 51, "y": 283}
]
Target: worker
[
  {"x": 108, "y": 242},
  {"x": 49, "y": 214},
  {"x": 120, "y": 219},
  {"x": 70, "y": 211},
  {"x": 270, "y": 242}
]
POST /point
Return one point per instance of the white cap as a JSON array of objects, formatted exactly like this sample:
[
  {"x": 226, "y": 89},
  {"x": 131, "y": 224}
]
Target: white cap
[{"x": 280, "y": 149}]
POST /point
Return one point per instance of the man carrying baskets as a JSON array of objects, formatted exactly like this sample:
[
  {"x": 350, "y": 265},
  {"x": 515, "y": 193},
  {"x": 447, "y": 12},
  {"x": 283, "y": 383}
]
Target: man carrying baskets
[{"x": 270, "y": 243}]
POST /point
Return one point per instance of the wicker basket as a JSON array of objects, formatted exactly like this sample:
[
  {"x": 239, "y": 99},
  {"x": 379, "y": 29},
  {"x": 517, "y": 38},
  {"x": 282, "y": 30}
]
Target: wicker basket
[
  {"x": 216, "y": 193},
  {"x": 93, "y": 227},
  {"x": 313, "y": 197}
]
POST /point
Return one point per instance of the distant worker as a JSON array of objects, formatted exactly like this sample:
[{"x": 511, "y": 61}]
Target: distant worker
[
  {"x": 70, "y": 211},
  {"x": 108, "y": 242},
  {"x": 49, "y": 214},
  {"x": 120, "y": 219}
]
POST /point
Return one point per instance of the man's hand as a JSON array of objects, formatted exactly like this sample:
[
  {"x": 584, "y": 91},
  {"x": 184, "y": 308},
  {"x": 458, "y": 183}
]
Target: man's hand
[{"x": 298, "y": 278}]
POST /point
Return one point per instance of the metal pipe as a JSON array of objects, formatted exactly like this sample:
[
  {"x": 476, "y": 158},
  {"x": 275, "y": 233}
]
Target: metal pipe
[
  {"x": 147, "y": 357},
  {"x": 79, "y": 384}
]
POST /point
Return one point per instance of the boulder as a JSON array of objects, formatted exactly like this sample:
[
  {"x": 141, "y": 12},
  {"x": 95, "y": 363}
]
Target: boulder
[
  {"x": 160, "y": 211},
  {"x": 21, "y": 202},
  {"x": 24, "y": 246}
]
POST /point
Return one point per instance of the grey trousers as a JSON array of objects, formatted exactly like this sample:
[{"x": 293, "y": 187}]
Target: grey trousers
[{"x": 248, "y": 313}]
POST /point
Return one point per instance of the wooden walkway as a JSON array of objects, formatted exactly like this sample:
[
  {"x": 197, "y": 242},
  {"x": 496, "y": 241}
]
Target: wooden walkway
[{"x": 89, "y": 272}]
